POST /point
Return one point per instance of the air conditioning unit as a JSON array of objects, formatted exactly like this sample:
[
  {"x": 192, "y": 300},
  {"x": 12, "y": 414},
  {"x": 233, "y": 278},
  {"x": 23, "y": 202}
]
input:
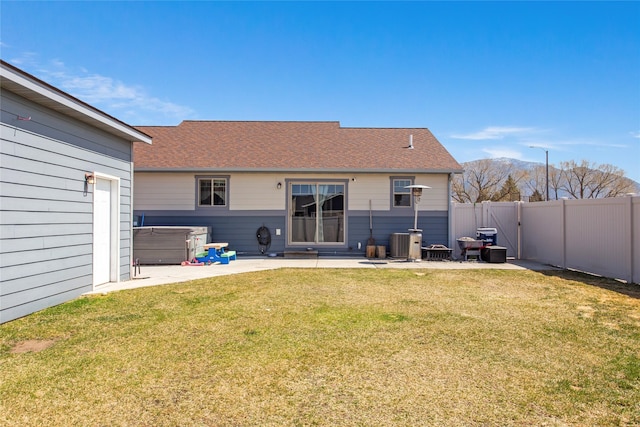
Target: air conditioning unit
[{"x": 399, "y": 245}]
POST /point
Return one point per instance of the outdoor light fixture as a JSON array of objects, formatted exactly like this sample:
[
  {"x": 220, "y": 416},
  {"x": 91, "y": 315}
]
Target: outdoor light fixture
[
  {"x": 89, "y": 179},
  {"x": 279, "y": 185},
  {"x": 416, "y": 190}
]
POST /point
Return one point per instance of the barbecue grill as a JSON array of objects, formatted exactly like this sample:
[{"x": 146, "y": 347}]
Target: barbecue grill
[{"x": 470, "y": 247}]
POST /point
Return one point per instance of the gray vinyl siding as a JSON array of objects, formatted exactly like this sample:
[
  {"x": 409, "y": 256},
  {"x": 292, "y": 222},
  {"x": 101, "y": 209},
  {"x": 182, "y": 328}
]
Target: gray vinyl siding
[
  {"x": 240, "y": 230},
  {"x": 46, "y": 216}
]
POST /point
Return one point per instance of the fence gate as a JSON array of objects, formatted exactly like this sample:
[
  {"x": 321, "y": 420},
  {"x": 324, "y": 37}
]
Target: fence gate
[{"x": 503, "y": 216}]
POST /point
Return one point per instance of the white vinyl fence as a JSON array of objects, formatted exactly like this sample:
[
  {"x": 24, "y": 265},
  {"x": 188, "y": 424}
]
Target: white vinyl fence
[{"x": 599, "y": 236}]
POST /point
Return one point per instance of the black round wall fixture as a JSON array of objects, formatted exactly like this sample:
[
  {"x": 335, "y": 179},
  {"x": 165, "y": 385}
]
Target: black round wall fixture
[{"x": 264, "y": 239}]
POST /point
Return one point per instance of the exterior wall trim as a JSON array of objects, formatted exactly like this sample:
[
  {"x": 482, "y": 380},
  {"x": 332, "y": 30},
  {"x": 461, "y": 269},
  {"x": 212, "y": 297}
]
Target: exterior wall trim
[{"x": 114, "y": 232}]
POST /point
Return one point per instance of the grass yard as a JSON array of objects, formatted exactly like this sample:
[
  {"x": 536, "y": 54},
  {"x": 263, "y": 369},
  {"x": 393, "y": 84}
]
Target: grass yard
[{"x": 332, "y": 347}]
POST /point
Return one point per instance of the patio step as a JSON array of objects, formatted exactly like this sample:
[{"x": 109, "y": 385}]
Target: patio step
[{"x": 301, "y": 254}]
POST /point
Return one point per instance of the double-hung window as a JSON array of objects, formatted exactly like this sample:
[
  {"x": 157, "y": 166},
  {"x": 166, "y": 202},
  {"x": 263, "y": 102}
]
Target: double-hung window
[
  {"x": 401, "y": 195},
  {"x": 212, "y": 191}
]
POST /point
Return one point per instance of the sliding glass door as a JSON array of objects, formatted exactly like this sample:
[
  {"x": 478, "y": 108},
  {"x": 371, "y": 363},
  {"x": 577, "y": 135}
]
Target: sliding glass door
[{"x": 316, "y": 213}]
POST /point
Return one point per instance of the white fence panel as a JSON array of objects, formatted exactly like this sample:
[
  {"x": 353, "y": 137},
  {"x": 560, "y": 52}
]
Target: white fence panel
[
  {"x": 600, "y": 236},
  {"x": 503, "y": 216},
  {"x": 635, "y": 240},
  {"x": 467, "y": 218},
  {"x": 542, "y": 232}
]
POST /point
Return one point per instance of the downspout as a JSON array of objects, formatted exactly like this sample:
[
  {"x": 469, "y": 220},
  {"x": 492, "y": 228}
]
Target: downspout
[{"x": 131, "y": 267}]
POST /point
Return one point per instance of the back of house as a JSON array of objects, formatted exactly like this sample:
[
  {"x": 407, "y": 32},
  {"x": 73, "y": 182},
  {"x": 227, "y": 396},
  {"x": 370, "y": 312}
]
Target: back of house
[{"x": 314, "y": 185}]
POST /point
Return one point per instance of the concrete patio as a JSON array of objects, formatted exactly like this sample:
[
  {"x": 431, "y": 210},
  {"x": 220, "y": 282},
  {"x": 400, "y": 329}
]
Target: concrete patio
[{"x": 153, "y": 275}]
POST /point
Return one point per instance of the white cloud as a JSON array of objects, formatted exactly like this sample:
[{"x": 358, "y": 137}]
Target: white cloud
[
  {"x": 122, "y": 100},
  {"x": 25, "y": 59},
  {"x": 569, "y": 144},
  {"x": 635, "y": 134},
  {"x": 496, "y": 132},
  {"x": 57, "y": 63},
  {"x": 114, "y": 94},
  {"x": 498, "y": 152}
]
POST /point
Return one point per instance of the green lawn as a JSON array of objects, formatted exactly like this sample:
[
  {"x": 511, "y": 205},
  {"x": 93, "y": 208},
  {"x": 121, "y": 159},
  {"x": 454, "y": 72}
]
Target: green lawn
[{"x": 332, "y": 347}]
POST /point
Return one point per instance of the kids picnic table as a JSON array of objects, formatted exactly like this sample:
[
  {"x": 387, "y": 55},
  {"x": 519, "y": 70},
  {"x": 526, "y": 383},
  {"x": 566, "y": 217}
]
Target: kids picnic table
[{"x": 216, "y": 252}]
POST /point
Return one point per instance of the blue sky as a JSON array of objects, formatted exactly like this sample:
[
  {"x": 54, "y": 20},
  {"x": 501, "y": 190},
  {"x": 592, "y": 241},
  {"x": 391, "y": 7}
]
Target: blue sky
[{"x": 489, "y": 79}]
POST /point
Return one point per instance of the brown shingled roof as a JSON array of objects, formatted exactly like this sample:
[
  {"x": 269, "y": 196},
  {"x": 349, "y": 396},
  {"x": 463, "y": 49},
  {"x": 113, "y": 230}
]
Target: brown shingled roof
[{"x": 270, "y": 146}]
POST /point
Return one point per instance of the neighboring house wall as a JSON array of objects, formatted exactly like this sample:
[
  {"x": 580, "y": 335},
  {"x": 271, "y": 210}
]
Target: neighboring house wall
[
  {"x": 47, "y": 212},
  {"x": 254, "y": 199}
]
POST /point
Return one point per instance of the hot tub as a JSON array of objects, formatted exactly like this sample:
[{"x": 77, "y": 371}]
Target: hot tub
[{"x": 168, "y": 244}]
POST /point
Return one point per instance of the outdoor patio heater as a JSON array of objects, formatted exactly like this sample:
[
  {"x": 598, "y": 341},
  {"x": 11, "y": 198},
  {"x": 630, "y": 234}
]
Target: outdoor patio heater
[{"x": 415, "y": 234}]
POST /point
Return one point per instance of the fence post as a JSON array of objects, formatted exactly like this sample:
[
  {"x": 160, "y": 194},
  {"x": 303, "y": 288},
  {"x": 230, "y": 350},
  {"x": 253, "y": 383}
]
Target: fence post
[
  {"x": 452, "y": 224},
  {"x": 486, "y": 213},
  {"x": 519, "y": 230},
  {"x": 563, "y": 206},
  {"x": 629, "y": 243}
]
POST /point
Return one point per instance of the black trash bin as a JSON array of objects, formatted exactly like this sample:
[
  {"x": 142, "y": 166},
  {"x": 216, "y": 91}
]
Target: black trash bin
[{"x": 494, "y": 254}]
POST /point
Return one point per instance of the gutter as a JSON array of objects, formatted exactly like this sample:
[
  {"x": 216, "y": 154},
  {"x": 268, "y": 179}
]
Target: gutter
[{"x": 299, "y": 170}]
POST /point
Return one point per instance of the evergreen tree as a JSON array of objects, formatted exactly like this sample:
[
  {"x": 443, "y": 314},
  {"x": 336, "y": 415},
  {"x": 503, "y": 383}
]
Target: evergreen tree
[
  {"x": 536, "y": 196},
  {"x": 509, "y": 191}
]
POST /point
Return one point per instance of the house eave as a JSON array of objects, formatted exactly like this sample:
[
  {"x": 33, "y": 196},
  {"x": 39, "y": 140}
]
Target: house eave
[{"x": 298, "y": 170}]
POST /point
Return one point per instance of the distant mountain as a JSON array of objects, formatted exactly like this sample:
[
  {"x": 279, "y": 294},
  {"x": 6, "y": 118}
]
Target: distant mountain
[{"x": 517, "y": 164}]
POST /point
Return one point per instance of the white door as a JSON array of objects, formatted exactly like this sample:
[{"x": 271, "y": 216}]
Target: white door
[{"x": 102, "y": 232}]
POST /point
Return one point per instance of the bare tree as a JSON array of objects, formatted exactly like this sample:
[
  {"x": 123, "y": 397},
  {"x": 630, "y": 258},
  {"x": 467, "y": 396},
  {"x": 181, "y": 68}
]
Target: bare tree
[
  {"x": 592, "y": 181},
  {"x": 534, "y": 182},
  {"x": 488, "y": 179},
  {"x": 481, "y": 181},
  {"x": 556, "y": 177}
]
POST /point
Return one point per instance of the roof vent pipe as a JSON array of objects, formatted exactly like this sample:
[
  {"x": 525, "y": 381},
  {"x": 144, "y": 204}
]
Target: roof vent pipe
[{"x": 411, "y": 142}]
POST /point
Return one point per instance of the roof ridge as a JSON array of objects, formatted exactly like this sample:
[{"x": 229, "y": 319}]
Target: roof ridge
[
  {"x": 194, "y": 121},
  {"x": 154, "y": 126},
  {"x": 262, "y": 121},
  {"x": 381, "y": 128}
]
